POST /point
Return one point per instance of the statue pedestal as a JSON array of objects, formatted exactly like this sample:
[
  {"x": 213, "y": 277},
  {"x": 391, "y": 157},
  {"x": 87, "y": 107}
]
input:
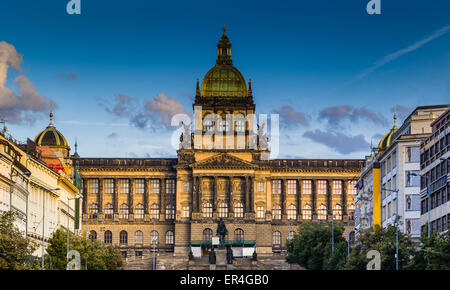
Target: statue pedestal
[{"x": 221, "y": 259}]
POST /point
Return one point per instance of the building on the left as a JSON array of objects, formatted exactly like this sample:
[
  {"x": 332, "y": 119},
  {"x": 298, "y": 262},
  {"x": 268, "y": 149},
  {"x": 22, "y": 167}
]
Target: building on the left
[{"x": 37, "y": 182}]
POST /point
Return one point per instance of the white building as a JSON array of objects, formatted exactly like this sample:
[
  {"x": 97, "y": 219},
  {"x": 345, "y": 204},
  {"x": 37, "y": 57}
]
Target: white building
[{"x": 399, "y": 156}]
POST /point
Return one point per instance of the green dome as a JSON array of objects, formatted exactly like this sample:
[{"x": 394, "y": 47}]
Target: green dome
[
  {"x": 224, "y": 81},
  {"x": 51, "y": 137}
]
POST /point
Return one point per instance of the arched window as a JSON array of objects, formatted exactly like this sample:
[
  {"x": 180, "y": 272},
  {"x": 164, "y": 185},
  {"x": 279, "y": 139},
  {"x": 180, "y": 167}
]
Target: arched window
[
  {"x": 322, "y": 212},
  {"x": 292, "y": 212},
  {"x": 207, "y": 210},
  {"x": 238, "y": 210},
  {"x": 239, "y": 235},
  {"x": 290, "y": 235},
  {"x": 124, "y": 211},
  {"x": 337, "y": 212},
  {"x": 351, "y": 211},
  {"x": 223, "y": 210},
  {"x": 139, "y": 211},
  {"x": 108, "y": 237},
  {"x": 109, "y": 211},
  {"x": 93, "y": 210},
  {"x": 139, "y": 237},
  {"x": 169, "y": 238},
  {"x": 207, "y": 234},
  {"x": 276, "y": 238},
  {"x": 123, "y": 238},
  {"x": 154, "y": 211},
  {"x": 307, "y": 212},
  {"x": 154, "y": 237},
  {"x": 170, "y": 212},
  {"x": 276, "y": 212},
  {"x": 93, "y": 236}
]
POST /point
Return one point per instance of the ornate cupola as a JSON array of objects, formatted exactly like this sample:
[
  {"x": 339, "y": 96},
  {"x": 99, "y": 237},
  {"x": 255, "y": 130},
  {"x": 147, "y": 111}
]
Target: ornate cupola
[
  {"x": 223, "y": 79},
  {"x": 224, "y": 50}
]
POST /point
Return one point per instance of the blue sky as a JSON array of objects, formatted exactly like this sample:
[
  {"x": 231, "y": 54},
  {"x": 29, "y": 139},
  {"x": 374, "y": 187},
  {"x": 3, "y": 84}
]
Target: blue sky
[{"x": 333, "y": 72}]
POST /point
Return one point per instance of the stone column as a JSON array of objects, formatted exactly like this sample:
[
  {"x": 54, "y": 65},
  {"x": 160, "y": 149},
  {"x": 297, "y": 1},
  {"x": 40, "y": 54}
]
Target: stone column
[
  {"x": 251, "y": 194},
  {"x": 283, "y": 196},
  {"x": 298, "y": 197},
  {"x": 146, "y": 195},
  {"x": 313, "y": 196},
  {"x": 85, "y": 195},
  {"x": 344, "y": 197},
  {"x": 162, "y": 196},
  {"x": 246, "y": 199},
  {"x": 229, "y": 188},
  {"x": 199, "y": 195},
  {"x": 115, "y": 196},
  {"x": 214, "y": 192},
  {"x": 195, "y": 195},
  {"x": 130, "y": 195},
  {"x": 100, "y": 195},
  {"x": 329, "y": 205}
]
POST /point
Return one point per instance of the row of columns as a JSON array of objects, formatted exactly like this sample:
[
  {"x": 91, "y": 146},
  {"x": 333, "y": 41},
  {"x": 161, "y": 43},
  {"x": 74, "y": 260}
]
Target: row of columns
[{"x": 247, "y": 200}]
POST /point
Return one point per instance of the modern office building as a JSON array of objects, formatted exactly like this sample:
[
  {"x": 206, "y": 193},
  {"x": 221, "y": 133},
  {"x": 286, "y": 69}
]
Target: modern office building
[{"x": 434, "y": 171}]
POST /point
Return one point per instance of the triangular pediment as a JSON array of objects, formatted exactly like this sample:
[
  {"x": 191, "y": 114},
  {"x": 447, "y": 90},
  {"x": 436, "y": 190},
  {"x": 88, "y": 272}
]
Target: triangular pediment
[{"x": 223, "y": 160}]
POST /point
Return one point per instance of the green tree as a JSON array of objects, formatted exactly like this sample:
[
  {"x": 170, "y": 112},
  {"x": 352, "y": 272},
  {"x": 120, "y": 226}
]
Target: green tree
[
  {"x": 433, "y": 254},
  {"x": 384, "y": 241},
  {"x": 311, "y": 247},
  {"x": 15, "y": 249},
  {"x": 98, "y": 257}
]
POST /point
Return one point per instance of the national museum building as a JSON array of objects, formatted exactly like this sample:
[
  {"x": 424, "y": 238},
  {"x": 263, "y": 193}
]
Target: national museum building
[{"x": 223, "y": 170}]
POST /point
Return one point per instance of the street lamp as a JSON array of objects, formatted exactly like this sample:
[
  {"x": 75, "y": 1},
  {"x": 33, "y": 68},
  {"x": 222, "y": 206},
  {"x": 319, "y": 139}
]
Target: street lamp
[
  {"x": 43, "y": 222},
  {"x": 396, "y": 225}
]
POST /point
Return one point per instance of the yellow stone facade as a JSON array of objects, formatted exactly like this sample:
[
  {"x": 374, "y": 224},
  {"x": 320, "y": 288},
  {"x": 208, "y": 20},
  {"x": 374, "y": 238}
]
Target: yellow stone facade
[{"x": 222, "y": 170}]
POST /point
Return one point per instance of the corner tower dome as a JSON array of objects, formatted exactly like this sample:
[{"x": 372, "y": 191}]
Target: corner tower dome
[
  {"x": 51, "y": 137},
  {"x": 223, "y": 80},
  {"x": 386, "y": 141}
]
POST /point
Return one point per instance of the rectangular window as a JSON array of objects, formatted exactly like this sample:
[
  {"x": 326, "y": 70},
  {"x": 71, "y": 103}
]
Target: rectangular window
[
  {"x": 351, "y": 187},
  {"x": 186, "y": 212},
  {"x": 337, "y": 187},
  {"x": 93, "y": 186},
  {"x": 139, "y": 183},
  {"x": 322, "y": 187},
  {"x": 208, "y": 125},
  {"x": 292, "y": 186},
  {"x": 170, "y": 186},
  {"x": 185, "y": 186},
  {"x": 306, "y": 186},
  {"x": 223, "y": 125},
  {"x": 124, "y": 186},
  {"x": 109, "y": 185},
  {"x": 388, "y": 164},
  {"x": 240, "y": 125},
  {"x": 412, "y": 178},
  {"x": 394, "y": 159},
  {"x": 260, "y": 212},
  {"x": 260, "y": 186},
  {"x": 276, "y": 186},
  {"x": 154, "y": 185},
  {"x": 413, "y": 154}
]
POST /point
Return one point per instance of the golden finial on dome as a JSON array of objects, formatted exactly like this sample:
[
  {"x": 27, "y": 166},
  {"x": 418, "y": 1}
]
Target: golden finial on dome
[
  {"x": 250, "y": 91},
  {"x": 395, "y": 118},
  {"x": 197, "y": 90},
  {"x": 224, "y": 29},
  {"x": 51, "y": 115}
]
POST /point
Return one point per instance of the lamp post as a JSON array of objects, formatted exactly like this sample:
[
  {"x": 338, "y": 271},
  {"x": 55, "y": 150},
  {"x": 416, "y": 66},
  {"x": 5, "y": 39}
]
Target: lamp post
[
  {"x": 154, "y": 250},
  {"x": 396, "y": 225},
  {"x": 332, "y": 229}
]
